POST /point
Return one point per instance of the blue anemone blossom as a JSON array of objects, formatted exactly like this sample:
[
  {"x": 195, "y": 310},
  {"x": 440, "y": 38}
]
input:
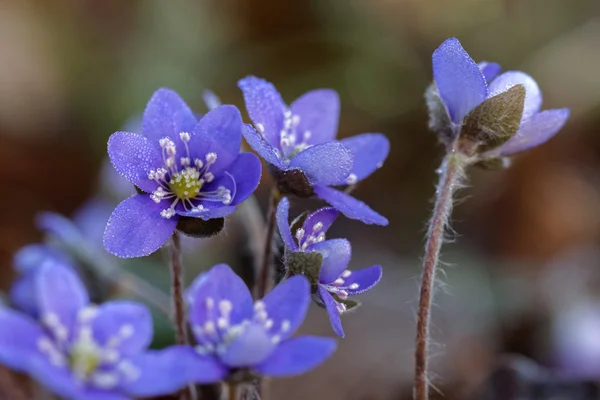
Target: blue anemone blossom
[
  {"x": 301, "y": 137},
  {"x": 241, "y": 338},
  {"x": 83, "y": 351},
  {"x": 334, "y": 282},
  {"x": 186, "y": 167}
]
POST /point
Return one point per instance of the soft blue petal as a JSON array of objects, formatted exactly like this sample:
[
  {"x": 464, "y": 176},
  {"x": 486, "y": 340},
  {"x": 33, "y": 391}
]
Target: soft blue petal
[
  {"x": 166, "y": 115},
  {"x": 459, "y": 80},
  {"x": 283, "y": 224},
  {"x": 166, "y": 371},
  {"x": 370, "y": 151},
  {"x": 318, "y": 222},
  {"x": 349, "y": 206},
  {"x": 535, "y": 131},
  {"x": 533, "y": 95},
  {"x": 365, "y": 279},
  {"x": 319, "y": 112},
  {"x": 18, "y": 339},
  {"x": 133, "y": 156},
  {"x": 211, "y": 100},
  {"x": 286, "y": 306},
  {"x": 61, "y": 295},
  {"x": 127, "y": 321},
  {"x": 91, "y": 220},
  {"x": 58, "y": 380},
  {"x": 60, "y": 227},
  {"x": 336, "y": 257},
  {"x": 246, "y": 170},
  {"x": 30, "y": 257},
  {"x": 251, "y": 347},
  {"x": 326, "y": 163},
  {"x": 297, "y": 356},
  {"x": 489, "y": 70},
  {"x": 136, "y": 229},
  {"x": 210, "y": 291},
  {"x": 332, "y": 311},
  {"x": 219, "y": 132},
  {"x": 261, "y": 146},
  {"x": 211, "y": 211},
  {"x": 22, "y": 294},
  {"x": 265, "y": 107}
]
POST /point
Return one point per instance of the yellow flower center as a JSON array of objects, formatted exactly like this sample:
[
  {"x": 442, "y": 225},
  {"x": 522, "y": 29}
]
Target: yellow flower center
[{"x": 186, "y": 184}]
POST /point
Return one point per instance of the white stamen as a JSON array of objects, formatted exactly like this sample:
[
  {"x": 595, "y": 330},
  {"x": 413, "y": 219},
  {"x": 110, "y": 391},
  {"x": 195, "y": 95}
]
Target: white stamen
[
  {"x": 184, "y": 136},
  {"x": 164, "y": 142},
  {"x": 299, "y": 234},
  {"x": 261, "y": 315},
  {"x": 185, "y": 161},
  {"x": 287, "y": 114},
  {"x": 126, "y": 331},
  {"x": 170, "y": 162},
  {"x": 318, "y": 226},
  {"x": 268, "y": 324},
  {"x": 354, "y": 286},
  {"x": 210, "y": 303},
  {"x": 306, "y": 135},
  {"x": 171, "y": 149},
  {"x": 351, "y": 179},
  {"x": 198, "y": 163},
  {"x": 105, "y": 380},
  {"x": 211, "y": 158},
  {"x": 295, "y": 120},
  {"x": 130, "y": 371},
  {"x": 111, "y": 355},
  {"x": 167, "y": 213},
  {"x": 87, "y": 313},
  {"x": 222, "y": 323},
  {"x": 225, "y": 306},
  {"x": 259, "y": 305},
  {"x": 346, "y": 273},
  {"x": 209, "y": 327},
  {"x": 276, "y": 339},
  {"x": 209, "y": 176},
  {"x": 285, "y": 325},
  {"x": 260, "y": 128},
  {"x": 342, "y": 294},
  {"x": 338, "y": 282}
]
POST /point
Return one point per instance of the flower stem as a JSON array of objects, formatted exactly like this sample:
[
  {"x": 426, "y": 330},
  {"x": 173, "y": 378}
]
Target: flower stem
[
  {"x": 233, "y": 395},
  {"x": 265, "y": 273},
  {"x": 451, "y": 172}
]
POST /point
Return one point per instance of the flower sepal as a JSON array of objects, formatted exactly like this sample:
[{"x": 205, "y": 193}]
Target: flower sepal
[
  {"x": 241, "y": 375},
  {"x": 292, "y": 181},
  {"x": 199, "y": 228},
  {"x": 498, "y": 163},
  {"x": 305, "y": 263}
]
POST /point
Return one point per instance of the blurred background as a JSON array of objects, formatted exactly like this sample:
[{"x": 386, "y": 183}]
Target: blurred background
[{"x": 518, "y": 305}]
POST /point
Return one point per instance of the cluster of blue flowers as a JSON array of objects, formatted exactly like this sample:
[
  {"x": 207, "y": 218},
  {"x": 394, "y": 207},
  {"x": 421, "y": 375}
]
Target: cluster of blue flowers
[{"x": 186, "y": 167}]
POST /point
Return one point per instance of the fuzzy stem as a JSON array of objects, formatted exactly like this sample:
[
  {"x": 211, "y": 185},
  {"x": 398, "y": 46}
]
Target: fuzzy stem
[
  {"x": 264, "y": 282},
  {"x": 233, "y": 395},
  {"x": 451, "y": 172}
]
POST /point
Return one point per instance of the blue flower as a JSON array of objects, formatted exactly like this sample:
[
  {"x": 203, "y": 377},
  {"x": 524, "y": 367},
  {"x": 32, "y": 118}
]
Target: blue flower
[
  {"x": 463, "y": 85},
  {"x": 299, "y": 143},
  {"x": 242, "y": 339},
  {"x": 187, "y": 168},
  {"x": 85, "y": 352},
  {"x": 333, "y": 282}
]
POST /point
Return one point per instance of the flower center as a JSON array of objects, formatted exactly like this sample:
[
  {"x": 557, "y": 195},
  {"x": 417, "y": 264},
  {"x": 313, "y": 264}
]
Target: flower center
[
  {"x": 182, "y": 179},
  {"x": 291, "y": 141},
  {"x": 85, "y": 356}
]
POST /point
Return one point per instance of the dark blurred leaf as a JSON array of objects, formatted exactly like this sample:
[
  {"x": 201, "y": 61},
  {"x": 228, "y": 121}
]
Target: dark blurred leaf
[
  {"x": 199, "y": 228},
  {"x": 307, "y": 264}
]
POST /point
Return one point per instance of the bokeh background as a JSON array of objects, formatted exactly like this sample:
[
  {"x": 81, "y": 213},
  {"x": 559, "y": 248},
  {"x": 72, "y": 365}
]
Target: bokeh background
[{"x": 522, "y": 275}]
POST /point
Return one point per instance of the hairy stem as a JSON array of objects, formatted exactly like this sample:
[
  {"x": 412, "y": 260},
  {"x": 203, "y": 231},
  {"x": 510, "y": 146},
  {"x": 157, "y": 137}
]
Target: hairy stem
[
  {"x": 251, "y": 220},
  {"x": 233, "y": 395},
  {"x": 451, "y": 172},
  {"x": 265, "y": 273}
]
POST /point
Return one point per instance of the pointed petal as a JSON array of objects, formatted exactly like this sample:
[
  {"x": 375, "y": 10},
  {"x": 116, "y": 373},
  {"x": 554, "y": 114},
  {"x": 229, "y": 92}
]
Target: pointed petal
[
  {"x": 30, "y": 257},
  {"x": 133, "y": 156},
  {"x": 209, "y": 292},
  {"x": 219, "y": 132},
  {"x": 533, "y": 95},
  {"x": 286, "y": 306},
  {"x": 261, "y": 146},
  {"x": 365, "y": 279},
  {"x": 211, "y": 100},
  {"x": 326, "y": 163},
  {"x": 283, "y": 224},
  {"x": 297, "y": 356},
  {"x": 535, "y": 131},
  {"x": 246, "y": 170},
  {"x": 489, "y": 70},
  {"x": 61, "y": 295},
  {"x": 22, "y": 294},
  {"x": 319, "y": 112},
  {"x": 127, "y": 321},
  {"x": 332, "y": 311},
  {"x": 370, "y": 151},
  {"x": 265, "y": 106},
  {"x": 166, "y": 115},
  {"x": 459, "y": 80},
  {"x": 166, "y": 371},
  {"x": 349, "y": 206},
  {"x": 136, "y": 229},
  {"x": 318, "y": 223},
  {"x": 252, "y": 347},
  {"x": 336, "y": 257},
  {"x": 18, "y": 339},
  {"x": 60, "y": 228}
]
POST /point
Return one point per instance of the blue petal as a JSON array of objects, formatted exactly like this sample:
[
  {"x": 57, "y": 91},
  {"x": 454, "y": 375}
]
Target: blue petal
[
  {"x": 365, "y": 279},
  {"x": 133, "y": 156},
  {"x": 370, "y": 151},
  {"x": 323, "y": 216},
  {"x": 30, "y": 257},
  {"x": 166, "y": 371},
  {"x": 286, "y": 306},
  {"x": 489, "y": 70},
  {"x": 332, "y": 311},
  {"x": 265, "y": 107},
  {"x": 61, "y": 295},
  {"x": 219, "y": 132},
  {"x": 136, "y": 229},
  {"x": 210, "y": 211},
  {"x": 349, "y": 206},
  {"x": 327, "y": 163},
  {"x": 459, "y": 80},
  {"x": 127, "y": 321},
  {"x": 22, "y": 294},
  {"x": 251, "y": 347},
  {"x": 261, "y": 146},
  {"x": 535, "y": 131},
  {"x": 246, "y": 171},
  {"x": 209, "y": 290},
  {"x": 211, "y": 100},
  {"x": 319, "y": 112},
  {"x": 283, "y": 224},
  {"x": 336, "y": 257},
  {"x": 297, "y": 356},
  {"x": 533, "y": 95},
  {"x": 60, "y": 227},
  {"x": 91, "y": 220},
  {"x": 166, "y": 115}
]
